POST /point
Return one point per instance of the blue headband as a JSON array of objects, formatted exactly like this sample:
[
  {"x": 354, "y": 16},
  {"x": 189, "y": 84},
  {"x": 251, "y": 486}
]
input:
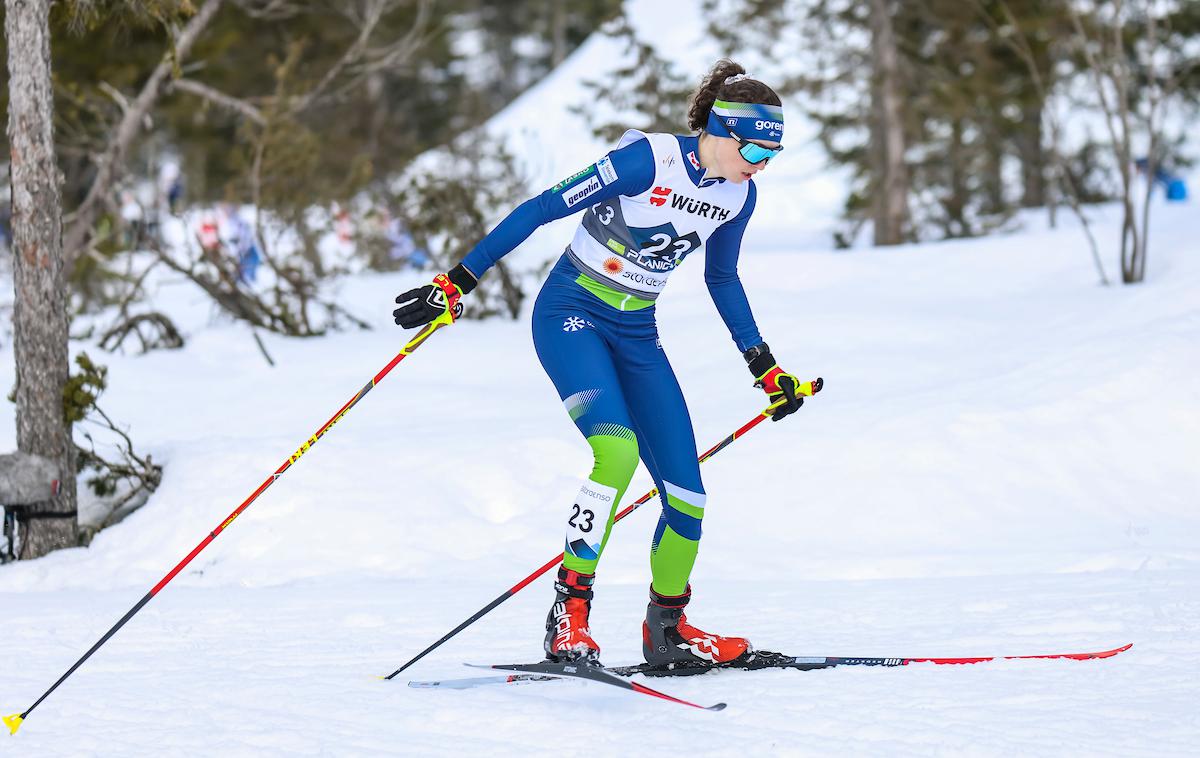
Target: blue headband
[{"x": 748, "y": 120}]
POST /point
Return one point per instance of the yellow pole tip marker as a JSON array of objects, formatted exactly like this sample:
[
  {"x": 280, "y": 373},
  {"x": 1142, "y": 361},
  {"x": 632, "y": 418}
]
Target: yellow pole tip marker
[{"x": 13, "y": 722}]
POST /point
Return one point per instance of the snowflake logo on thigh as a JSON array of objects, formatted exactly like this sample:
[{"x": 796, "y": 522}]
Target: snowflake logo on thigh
[{"x": 574, "y": 324}]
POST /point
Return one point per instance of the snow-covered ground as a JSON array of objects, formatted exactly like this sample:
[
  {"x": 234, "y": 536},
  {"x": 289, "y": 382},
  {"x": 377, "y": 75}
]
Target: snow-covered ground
[{"x": 1005, "y": 460}]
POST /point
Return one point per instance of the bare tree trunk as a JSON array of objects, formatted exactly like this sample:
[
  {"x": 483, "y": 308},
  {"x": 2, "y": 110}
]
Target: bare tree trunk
[
  {"x": 40, "y": 311},
  {"x": 379, "y": 112},
  {"x": 889, "y": 198},
  {"x": 1108, "y": 64},
  {"x": 1161, "y": 88},
  {"x": 1131, "y": 245},
  {"x": 955, "y": 203},
  {"x": 558, "y": 32},
  {"x": 1033, "y": 157},
  {"x": 993, "y": 178}
]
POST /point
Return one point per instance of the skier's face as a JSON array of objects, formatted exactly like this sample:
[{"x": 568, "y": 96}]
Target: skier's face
[{"x": 733, "y": 165}]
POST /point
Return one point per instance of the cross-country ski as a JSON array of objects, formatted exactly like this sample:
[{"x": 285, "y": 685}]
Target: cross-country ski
[
  {"x": 592, "y": 673},
  {"x": 757, "y": 661}
]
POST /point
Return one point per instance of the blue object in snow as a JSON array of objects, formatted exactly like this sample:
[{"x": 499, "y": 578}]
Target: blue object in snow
[
  {"x": 249, "y": 259},
  {"x": 1173, "y": 186},
  {"x": 248, "y": 262}
]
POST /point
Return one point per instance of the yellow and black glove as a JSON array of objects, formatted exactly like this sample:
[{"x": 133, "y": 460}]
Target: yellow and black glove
[
  {"x": 785, "y": 392},
  {"x": 437, "y": 299}
]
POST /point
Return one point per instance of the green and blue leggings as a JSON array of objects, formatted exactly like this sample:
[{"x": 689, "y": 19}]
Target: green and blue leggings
[{"x": 601, "y": 349}]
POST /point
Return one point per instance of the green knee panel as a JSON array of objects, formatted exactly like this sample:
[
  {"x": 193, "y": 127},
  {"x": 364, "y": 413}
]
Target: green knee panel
[
  {"x": 616, "y": 458},
  {"x": 673, "y": 555}
]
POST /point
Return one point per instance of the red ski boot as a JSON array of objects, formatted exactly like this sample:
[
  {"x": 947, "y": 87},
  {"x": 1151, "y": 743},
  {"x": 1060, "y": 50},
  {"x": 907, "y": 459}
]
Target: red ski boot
[
  {"x": 668, "y": 638},
  {"x": 567, "y": 636}
]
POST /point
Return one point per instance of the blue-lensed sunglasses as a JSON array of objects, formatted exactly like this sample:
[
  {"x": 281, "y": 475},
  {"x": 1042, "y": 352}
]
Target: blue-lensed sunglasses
[{"x": 753, "y": 152}]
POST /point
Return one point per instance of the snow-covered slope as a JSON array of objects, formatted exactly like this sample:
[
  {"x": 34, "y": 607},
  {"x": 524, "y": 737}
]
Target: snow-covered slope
[{"x": 1004, "y": 460}]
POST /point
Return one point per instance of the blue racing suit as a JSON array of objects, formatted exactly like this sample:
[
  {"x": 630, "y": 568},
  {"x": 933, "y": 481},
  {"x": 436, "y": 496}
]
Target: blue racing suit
[{"x": 648, "y": 204}]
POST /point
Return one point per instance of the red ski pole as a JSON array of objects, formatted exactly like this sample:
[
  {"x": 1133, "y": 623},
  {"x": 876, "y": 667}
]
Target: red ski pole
[
  {"x": 815, "y": 386},
  {"x": 14, "y": 721}
]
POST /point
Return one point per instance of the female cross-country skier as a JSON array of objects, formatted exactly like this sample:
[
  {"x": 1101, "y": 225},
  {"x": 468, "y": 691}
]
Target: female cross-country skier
[{"x": 646, "y": 205}]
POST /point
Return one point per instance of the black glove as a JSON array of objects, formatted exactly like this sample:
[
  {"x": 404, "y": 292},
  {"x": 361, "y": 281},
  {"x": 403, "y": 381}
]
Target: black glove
[
  {"x": 439, "y": 299},
  {"x": 785, "y": 392}
]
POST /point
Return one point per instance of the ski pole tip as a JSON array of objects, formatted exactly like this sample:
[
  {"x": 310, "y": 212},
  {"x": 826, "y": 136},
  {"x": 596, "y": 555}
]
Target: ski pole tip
[{"x": 13, "y": 722}]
